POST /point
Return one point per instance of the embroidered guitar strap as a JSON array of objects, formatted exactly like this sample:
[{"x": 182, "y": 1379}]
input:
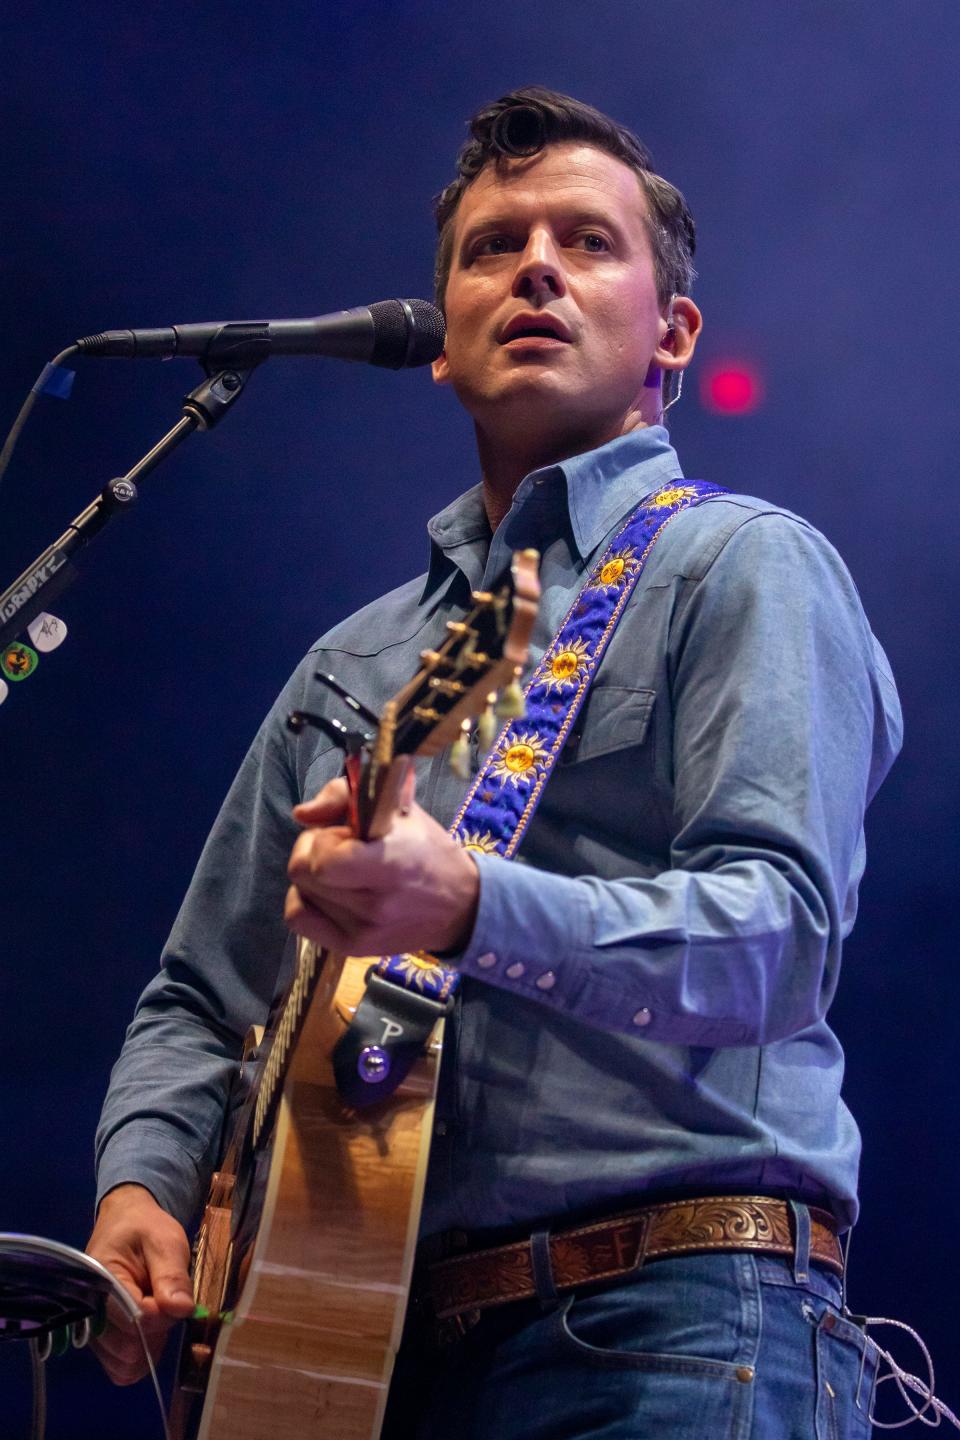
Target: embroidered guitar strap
[{"x": 504, "y": 795}]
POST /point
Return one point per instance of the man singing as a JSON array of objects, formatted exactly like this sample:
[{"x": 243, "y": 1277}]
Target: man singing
[{"x": 642, "y": 1015}]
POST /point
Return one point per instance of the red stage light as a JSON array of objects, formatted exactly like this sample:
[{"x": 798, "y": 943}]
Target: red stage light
[{"x": 731, "y": 387}]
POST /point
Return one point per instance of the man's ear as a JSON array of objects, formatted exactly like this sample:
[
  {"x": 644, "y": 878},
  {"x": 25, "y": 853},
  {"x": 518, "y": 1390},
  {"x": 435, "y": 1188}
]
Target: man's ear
[
  {"x": 440, "y": 369},
  {"x": 680, "y": 331}
]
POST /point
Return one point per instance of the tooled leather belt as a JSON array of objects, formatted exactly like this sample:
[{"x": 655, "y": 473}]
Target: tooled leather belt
[{"x": 617, "y": 1246}]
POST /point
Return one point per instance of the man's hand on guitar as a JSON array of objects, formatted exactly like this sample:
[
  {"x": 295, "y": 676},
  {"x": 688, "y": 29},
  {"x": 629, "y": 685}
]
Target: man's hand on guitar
[
  {"x": 149, "y": 1253},
  {"x": 415, "y": 889}
]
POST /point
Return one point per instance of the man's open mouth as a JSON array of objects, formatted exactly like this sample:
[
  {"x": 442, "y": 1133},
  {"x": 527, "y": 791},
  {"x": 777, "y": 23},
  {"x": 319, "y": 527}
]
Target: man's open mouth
[{"x": 529, "y": 328}]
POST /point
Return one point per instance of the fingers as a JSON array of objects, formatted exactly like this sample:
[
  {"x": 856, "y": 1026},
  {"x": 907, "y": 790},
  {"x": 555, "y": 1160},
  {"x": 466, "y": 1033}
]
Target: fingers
[
  {"x": 120, "y": 1348},
  {"x": 317, "y": 925},
  {"x": 167, "y": 1253},
  {"x": 411, "y": 889},
  {"x": 330, "y": 861},
  {"x": 147, "y": 1250},
  {"x": 330, "y": 805}
]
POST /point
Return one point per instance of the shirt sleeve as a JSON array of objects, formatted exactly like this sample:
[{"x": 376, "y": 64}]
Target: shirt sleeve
[
  {"x": 785, "y": 720},
  {"x": 163, "y": 1116}
]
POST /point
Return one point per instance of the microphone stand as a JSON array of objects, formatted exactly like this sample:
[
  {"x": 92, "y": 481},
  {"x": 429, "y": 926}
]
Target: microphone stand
[{"x": 31, "y": 593}]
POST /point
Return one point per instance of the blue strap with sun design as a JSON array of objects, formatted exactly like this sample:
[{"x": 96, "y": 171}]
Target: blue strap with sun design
[{"x": 505, "y": 793}]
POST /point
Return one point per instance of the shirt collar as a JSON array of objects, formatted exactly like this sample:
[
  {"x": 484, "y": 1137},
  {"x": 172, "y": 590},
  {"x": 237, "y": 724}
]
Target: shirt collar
[
  {"x": 606, "y": 483},
  {"x": 454, "y": 534},
  {"x": 600, "y": 486}
]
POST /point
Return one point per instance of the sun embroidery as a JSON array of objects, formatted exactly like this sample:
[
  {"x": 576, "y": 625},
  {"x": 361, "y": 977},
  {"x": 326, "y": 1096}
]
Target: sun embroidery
[
  {"x": 617, "y": 570},
  {"x": 420, "y": 971},
  {"x": 672, "y": 495},
  {"x": 477, "y": 840},
  {"x": 566, "y": 665},
  {"x": 519, "y": 759}
]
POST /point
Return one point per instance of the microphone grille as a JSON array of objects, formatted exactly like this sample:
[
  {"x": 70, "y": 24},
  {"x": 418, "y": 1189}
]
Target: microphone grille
[{"x": 406, "y": 332}]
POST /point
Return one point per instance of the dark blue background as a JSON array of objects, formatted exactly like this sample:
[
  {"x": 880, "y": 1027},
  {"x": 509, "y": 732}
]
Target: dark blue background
[{"x": 167, "y": 163}]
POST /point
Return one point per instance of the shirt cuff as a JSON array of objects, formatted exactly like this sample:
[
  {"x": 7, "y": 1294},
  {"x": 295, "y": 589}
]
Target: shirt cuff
[
  {"x": 147, "y": 1155},
  {"x": 531, "y": 931}
]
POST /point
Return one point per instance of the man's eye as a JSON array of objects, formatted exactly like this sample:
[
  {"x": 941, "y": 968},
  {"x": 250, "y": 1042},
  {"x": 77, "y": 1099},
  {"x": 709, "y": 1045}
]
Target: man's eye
[
  {"x": 493, "y": 245},
  {"x": 593, "y": 242}
]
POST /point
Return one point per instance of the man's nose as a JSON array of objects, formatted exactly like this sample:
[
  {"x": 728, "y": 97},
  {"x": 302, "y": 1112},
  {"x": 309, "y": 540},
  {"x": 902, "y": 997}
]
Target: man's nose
[{"x": 539, "y": 274}]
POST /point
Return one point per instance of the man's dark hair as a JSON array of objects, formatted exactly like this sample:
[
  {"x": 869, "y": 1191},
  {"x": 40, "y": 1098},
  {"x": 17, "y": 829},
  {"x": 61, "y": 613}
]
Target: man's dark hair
[{"x": 521, "y": 124}]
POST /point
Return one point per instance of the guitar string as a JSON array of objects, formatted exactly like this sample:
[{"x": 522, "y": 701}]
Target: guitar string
[{"x": 294, "y": 1009}]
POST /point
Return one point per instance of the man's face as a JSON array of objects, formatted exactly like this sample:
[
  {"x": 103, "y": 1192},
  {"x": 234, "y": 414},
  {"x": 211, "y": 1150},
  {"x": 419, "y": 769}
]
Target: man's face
[{"x": 552, "y": 312}]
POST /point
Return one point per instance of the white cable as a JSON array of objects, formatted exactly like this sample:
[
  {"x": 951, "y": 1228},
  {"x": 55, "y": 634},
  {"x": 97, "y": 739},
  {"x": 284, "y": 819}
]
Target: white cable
[
  {"x": 670, "y": 403},
  {"x": 904, "y": 1381},
  {"x": 153, "y": 1376}
]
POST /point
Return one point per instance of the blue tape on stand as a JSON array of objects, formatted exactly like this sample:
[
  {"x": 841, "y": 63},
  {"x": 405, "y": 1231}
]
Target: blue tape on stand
[{"x": 54, "y": 381}]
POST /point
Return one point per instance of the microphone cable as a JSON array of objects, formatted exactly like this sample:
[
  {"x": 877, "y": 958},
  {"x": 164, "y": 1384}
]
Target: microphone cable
[{"x": 51, "y": 379}]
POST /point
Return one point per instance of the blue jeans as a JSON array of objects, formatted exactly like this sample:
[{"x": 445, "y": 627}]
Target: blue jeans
[{"x": 728, "y": 1346}]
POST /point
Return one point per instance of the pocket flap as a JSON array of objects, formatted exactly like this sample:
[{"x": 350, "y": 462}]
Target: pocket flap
[{"x": 614, "y": 717}]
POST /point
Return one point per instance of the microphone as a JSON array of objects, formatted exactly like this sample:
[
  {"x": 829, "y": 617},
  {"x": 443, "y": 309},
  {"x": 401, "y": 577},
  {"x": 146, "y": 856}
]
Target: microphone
[{"x": 393, "y": 333}]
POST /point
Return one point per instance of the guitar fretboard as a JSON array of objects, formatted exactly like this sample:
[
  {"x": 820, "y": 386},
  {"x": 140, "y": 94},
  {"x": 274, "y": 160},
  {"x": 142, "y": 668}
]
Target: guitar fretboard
[{"x": 285, "y": 1038}]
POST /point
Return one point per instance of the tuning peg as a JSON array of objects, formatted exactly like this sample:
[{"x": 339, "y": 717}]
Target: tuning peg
[
  {"x": 487, "y": 725},
  {"x": 460, "y": 752},
  {"x": 511, "y": 704}
]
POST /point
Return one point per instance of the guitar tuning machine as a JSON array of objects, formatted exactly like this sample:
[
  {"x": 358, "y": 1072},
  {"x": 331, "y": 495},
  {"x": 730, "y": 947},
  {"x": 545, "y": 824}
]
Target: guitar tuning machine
[
  {"x": 511, "y": 704},
  {"x": 487, "y": 724},
  {"x": 460, "y": 752}
]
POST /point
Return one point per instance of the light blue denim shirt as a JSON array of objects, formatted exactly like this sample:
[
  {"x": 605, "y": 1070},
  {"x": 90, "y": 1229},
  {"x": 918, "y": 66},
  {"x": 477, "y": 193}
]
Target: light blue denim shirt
[{"x": 681, "y": 896}]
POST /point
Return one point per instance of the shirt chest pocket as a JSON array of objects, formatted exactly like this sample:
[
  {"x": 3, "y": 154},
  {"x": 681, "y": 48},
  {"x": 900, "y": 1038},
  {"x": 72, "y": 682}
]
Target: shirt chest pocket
[{"x": 613, "y": 718}]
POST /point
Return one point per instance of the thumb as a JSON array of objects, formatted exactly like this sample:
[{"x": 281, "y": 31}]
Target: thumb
[
  {"x": 329, "y": 806},
  {"x": 167, "y": 1260}
]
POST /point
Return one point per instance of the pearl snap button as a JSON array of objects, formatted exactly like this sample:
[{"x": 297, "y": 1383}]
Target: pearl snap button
[
  {"x": 487, "y": 962},
  {"x": 546, "y": 981},
  {"x": 516, "y": 970},
  {"x": 642, "y": 1017}
]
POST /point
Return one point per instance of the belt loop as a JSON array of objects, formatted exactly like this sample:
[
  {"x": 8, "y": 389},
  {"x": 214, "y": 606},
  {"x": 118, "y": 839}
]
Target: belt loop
[
  {"x": 543, "y": 1268},
  {"x": 801, "y": 1242}
]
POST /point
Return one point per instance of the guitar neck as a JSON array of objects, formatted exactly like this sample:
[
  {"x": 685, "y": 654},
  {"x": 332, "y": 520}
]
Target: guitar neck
[{"x": 480, "y": 653}]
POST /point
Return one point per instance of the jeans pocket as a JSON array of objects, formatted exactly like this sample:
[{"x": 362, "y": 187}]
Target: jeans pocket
[
  {"x": 595, "y": 1329},
  {"x": 846, "y": 1379}
]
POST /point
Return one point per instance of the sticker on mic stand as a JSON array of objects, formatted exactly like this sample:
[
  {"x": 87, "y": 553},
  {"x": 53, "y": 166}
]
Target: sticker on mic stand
[{"x": 18, "y": 661}]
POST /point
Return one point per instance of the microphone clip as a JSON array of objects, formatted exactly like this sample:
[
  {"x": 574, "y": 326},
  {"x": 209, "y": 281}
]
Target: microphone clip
[{"x": 215, "y": 395}]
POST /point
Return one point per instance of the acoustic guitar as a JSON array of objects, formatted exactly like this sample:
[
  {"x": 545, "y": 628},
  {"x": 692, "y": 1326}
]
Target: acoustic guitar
[{"x": 303, "y": 1260}]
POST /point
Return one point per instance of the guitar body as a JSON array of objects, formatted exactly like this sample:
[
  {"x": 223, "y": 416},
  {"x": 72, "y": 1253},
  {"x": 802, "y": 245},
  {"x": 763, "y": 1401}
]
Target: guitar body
[{"x": 318, "y": 1301}]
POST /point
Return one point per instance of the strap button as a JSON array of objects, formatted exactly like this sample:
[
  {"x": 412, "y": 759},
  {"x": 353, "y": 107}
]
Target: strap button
[{"x": 642, "y": 1017}]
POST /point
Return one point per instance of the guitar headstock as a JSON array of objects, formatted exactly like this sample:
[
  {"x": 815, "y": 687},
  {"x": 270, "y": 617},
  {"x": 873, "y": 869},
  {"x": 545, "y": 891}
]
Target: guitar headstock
[{"x": 482, "y": 654}]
